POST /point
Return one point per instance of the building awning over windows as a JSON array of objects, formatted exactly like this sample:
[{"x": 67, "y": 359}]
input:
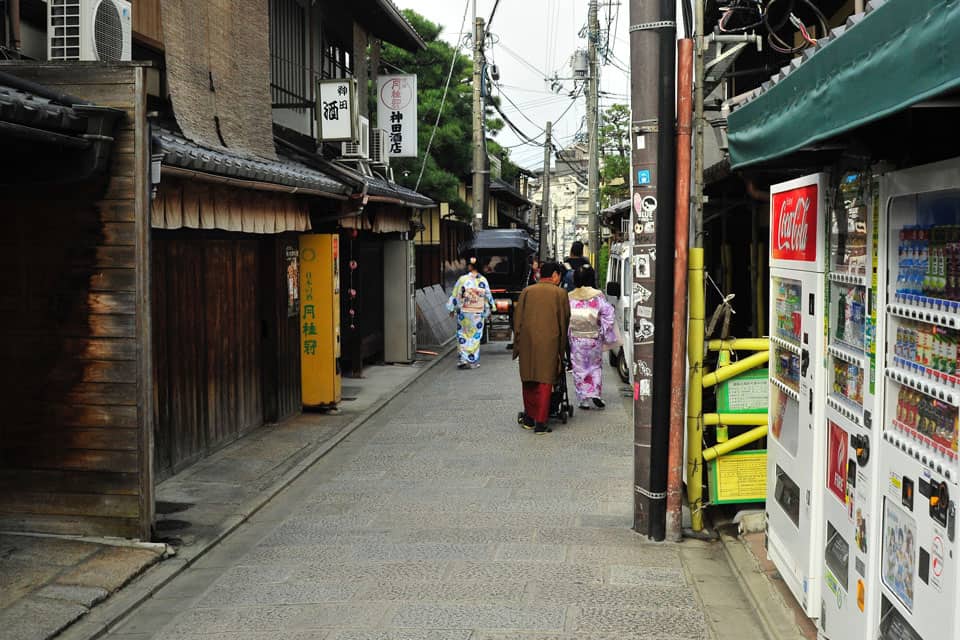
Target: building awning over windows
[{"x": 897, "y": 54}]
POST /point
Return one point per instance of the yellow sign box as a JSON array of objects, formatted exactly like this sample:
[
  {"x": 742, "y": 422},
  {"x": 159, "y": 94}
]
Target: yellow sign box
[
  {"x": 740, "y": 476},
  {"x": 320, "y": 319}
]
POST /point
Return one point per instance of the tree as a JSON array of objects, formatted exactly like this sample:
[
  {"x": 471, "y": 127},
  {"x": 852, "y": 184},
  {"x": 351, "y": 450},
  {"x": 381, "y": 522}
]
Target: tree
[
  {"x": 614, "y": 154},
  {"x": 450, "y": 160}
]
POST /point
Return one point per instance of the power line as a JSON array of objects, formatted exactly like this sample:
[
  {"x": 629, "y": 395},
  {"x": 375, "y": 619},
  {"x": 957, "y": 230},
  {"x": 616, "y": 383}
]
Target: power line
[{"x": 493, "y": 13}]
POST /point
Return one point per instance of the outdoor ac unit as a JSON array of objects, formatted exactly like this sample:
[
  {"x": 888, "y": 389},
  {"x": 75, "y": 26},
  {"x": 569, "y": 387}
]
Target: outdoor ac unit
[
  {"x": 361, "y": 148},
  {"x": 89, "y": 30},
  {"x": 380, "y": 147}
]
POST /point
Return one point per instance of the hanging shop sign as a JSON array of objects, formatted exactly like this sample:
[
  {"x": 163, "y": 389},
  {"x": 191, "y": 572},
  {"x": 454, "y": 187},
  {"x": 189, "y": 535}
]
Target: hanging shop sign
[
  {"x": 397, "y": 113},
  {"x": 292, "y": 255},
  {"x": 337, "y": 114}
]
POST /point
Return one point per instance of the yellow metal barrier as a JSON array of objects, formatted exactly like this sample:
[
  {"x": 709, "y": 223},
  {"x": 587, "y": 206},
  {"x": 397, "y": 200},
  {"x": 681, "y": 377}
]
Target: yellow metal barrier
[
  {"x": 735, "y": 419},
  {"x": 735, "y": 443},
  {"x": 696, "y": 296},
  {"x": 735, "y": 369},
  {"x": 739, "y": 344}
]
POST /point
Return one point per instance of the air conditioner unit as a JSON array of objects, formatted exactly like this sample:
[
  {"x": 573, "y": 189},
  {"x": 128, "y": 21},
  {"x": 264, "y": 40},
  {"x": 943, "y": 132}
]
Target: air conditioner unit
[
  {"x": 360, "y": 148},
  {"x": 380, "y": 147},
  {"x": 89, "y": 30}
]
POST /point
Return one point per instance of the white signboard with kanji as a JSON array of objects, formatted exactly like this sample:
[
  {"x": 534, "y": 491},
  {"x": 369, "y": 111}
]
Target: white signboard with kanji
[
  {"x": 397, "y": 113},
  {"x": 337, "y": 115}
]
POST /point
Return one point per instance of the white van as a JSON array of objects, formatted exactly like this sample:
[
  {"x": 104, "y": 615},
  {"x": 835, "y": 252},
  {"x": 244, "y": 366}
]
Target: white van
[{"x": 618, "y": 287}]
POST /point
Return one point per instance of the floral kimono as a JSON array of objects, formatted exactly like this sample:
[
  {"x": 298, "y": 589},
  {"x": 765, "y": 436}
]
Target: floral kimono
[
  {"x": 473, "y": 303},
  {"x": 593, "y": 329}
]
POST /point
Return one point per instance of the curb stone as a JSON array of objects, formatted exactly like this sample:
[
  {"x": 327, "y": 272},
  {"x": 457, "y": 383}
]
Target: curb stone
[
  {"x": 103, "y": 618},
  {"x": 772, "y": 612}
]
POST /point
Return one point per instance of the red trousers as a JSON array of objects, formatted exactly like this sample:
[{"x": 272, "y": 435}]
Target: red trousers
[{"x": 536, "y": 400}]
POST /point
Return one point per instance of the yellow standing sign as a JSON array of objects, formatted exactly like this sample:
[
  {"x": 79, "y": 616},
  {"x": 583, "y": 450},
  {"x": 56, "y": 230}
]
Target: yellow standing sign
[{"x": 320, "y": 319}]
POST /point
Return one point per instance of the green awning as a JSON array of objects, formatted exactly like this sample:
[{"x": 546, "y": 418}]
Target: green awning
[{"x": 900, "y": 53}]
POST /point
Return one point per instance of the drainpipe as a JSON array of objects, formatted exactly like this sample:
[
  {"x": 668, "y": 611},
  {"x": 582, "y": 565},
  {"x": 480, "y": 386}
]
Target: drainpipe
[
  {"x": 15, "y": 24},
  {"x": 681, "y": 245}
]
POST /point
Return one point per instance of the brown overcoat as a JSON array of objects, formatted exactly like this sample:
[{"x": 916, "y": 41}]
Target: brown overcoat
[{"x": 540, "y": 322}]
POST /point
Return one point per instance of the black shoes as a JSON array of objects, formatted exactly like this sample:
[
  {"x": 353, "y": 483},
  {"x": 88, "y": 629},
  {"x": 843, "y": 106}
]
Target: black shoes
[
  {"x": 600, "y": 404},
  {"x": 525, "y": 421},
  {"x": 541, "y": 428}
]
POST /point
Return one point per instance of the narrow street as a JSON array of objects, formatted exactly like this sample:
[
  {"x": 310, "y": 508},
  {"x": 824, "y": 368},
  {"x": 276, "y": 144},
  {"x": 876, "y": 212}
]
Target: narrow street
[{"x": 440, "y": 518}]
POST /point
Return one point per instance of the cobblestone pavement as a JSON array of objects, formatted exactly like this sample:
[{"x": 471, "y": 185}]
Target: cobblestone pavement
[{"x": 441, "y": 519}]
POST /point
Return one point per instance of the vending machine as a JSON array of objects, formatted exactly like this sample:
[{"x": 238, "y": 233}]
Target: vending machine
[
  {"x": 320, "y": 375},
  {"x": 918, "y": 581},
  {"x": 848, "y": 487},
  {"x": 796, "y": 422}
]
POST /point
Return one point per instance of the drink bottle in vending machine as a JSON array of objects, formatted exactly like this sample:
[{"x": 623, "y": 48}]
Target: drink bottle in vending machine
[{"x": 794, "y": 448}]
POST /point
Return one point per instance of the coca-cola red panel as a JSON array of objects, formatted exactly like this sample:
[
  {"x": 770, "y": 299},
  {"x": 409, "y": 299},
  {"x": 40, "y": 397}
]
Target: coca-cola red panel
[{"x": 794, "y": 224}]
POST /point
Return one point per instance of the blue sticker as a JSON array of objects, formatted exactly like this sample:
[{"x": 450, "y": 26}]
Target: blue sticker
[{"x": 643, "y": 176}]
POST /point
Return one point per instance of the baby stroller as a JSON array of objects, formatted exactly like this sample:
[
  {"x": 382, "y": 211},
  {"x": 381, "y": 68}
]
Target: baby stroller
[{"x": 560, "y": 406}]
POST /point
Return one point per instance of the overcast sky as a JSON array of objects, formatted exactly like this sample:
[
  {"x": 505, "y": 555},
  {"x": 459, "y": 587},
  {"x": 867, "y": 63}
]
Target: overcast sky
[{"x": 534, "y": 39}]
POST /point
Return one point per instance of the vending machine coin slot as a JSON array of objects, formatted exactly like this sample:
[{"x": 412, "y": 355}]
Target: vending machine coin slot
[
  {"x": 861, "y": 445},
  {"x": 906, "y": 495},
  {"x": 811, "y": 304},
  {"x": 952, "y": 521},
  {"x": 939, "y": 502},
  {"x": 804, "y": 362}
]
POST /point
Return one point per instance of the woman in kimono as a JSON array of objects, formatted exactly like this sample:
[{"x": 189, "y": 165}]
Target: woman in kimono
[
  {"x": 472, "y": 303},
  {"x": 593, "y": 329}
]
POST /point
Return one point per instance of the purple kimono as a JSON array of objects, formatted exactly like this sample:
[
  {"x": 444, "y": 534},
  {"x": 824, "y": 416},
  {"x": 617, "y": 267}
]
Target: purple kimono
[{"x": 593, "y": 326}]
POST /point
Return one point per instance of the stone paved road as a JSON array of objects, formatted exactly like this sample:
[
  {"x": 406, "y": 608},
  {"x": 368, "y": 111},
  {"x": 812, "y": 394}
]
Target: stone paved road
[{"x": 441, "y": 519}]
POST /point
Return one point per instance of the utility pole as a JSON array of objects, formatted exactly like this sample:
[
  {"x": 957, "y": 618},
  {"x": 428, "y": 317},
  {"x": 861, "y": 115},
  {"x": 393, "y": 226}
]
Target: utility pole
[
  {"x": 652, "y": 176},
  {"x": 545, "y": 201},
  {"x": 593, "y": 117},
  {"x": 479, "y": 159}
]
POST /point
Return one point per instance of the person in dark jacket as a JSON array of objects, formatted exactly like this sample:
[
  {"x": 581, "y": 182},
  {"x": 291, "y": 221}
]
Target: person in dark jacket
[{"x": 572, "y": 264}]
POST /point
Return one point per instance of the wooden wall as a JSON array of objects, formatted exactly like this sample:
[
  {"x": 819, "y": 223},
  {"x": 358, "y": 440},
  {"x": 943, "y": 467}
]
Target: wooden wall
[
  {"x": 146, "y": 22},
  {"x": 75, "y": 436},
  {"x": 281, "y": 343},
  {"x": 208, "y": 339}
]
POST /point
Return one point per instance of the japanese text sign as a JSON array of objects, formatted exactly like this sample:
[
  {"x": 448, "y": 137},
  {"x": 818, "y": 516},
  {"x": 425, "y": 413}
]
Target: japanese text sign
[
  {"x": 397, "y": 114},
  {"x": 337, "y": 115}
]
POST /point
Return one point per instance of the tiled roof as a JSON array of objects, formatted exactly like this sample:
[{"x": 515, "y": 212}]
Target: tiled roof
[
  {"x": 30, "y": 110},
  {"x": 179, "y": 152},
  {"x": 384, "y": 188}
]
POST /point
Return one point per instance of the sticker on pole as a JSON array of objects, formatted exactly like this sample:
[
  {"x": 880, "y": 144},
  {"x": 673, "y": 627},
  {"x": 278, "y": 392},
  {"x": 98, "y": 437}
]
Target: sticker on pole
[{"x": 643, "y": 177}]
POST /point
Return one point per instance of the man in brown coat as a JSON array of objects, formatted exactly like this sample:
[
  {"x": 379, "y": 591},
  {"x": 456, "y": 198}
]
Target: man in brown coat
[{"x": 540, "y": 323}]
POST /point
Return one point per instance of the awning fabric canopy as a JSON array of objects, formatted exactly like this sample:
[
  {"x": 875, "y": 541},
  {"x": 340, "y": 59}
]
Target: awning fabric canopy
[{"x": 900, "y": 53}]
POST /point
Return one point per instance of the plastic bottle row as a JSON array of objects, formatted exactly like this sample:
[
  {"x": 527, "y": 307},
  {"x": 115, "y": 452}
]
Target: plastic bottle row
[
  {"x": 932, "y": 346},
  {"x": 929, "y": 261},
  {"x": 932, "y": 418}
]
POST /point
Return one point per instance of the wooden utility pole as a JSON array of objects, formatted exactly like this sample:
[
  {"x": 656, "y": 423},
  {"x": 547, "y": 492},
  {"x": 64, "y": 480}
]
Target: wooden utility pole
[
  {"x": 545, "y": 201},
  {"x": 479, "y": 152},
  {"x": 653, "y": 169},
  {"x": 593, "y": 118}
]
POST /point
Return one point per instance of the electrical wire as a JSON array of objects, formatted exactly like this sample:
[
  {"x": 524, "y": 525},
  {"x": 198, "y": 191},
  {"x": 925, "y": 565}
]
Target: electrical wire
[
  {"x": 493, "y": 13},
  {"x": 443, "y": 100}
]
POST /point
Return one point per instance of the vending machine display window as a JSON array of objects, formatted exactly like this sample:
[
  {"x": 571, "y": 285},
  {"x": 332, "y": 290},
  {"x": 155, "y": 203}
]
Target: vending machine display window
[{"x": 848, "y": 227}]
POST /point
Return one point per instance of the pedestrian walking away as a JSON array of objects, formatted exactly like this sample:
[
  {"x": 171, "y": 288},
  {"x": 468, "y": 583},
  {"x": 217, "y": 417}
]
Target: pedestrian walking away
[
  {"x": 593, "y": 330},
  {"x": 471, "y": 303},
  {"x": 541, "y": 320},
  {"x": 572, "y": 263}
]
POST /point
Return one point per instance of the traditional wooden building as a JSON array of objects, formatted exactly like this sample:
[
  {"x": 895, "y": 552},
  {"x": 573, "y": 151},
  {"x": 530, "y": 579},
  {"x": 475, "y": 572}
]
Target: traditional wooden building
[{"x": 150, "y": 319}]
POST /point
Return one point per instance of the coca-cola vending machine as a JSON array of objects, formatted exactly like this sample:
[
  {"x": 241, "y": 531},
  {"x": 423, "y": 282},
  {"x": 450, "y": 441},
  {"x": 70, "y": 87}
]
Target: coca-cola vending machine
[{"x": 796, "y": 442}]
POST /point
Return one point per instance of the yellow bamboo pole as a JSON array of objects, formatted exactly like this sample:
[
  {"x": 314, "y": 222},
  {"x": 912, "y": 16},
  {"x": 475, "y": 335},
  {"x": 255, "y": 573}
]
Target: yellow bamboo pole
[
  {"x": 735, "y": 369},
  {"x": 735, "y": 443},
  {"x": 739, "y": 344},
  {"x": 695, "y": 340},
  {"x": 735, "y": 419}
]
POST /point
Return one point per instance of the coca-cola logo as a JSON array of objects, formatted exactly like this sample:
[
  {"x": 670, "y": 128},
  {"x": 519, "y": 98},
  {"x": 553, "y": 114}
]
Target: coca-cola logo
[
  {"x": 794, "y": 224},
  {"x": 793, "y": 228}
]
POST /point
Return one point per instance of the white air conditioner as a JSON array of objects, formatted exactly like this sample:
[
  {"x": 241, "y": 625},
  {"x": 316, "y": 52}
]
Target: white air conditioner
[
  {"x": 89, "y": 30},
  {"x": 360, "y": 148},
  {"x": 380, "y": 147}
]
